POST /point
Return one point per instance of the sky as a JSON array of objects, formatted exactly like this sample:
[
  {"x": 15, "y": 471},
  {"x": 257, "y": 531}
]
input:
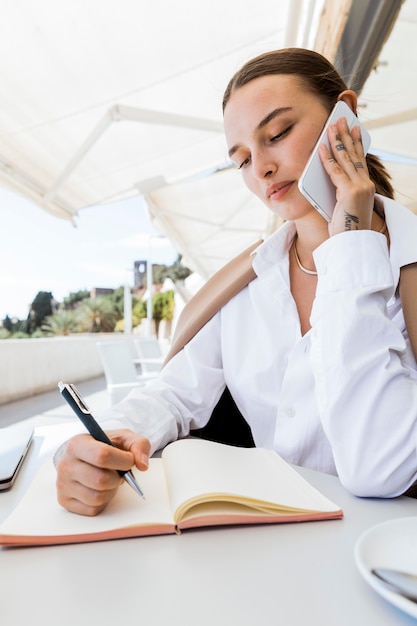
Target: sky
[{"x": 40, "y": 252}]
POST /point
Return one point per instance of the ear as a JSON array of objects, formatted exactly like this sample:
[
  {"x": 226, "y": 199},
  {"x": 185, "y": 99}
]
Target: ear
[{"x": 350, "y": 98}]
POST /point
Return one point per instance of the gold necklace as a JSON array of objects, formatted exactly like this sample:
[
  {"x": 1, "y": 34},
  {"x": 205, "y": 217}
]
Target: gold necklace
[
  {"x": 383, "y": 229},
  {"x": 297, "y": 258},
  {"x": 313, "y": 272}
]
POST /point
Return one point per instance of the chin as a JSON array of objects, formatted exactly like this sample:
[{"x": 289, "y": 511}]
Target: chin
[{"x": 290, "y": 211}]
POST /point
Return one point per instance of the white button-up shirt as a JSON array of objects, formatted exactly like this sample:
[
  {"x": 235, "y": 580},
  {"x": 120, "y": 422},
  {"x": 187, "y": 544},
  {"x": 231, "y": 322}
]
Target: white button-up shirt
[{"x": 342, "y": 398}]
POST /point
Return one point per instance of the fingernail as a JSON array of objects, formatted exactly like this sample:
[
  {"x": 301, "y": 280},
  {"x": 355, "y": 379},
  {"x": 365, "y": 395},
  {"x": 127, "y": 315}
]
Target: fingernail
[{"x": 144, "y": 459}]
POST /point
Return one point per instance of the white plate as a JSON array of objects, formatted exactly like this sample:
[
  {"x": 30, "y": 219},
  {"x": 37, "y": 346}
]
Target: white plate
[{"x": 391, "y": 544}]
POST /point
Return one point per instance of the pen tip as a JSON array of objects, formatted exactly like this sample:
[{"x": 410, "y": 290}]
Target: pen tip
[{"x": 128, "y": 476}]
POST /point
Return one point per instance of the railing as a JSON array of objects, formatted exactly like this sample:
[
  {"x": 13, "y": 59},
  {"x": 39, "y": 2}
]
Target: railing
[{"x": 32, "y": 366}]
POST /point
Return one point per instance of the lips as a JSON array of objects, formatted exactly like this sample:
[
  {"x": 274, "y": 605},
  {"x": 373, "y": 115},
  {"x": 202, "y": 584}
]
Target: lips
[{"x": 278, "y": 190}]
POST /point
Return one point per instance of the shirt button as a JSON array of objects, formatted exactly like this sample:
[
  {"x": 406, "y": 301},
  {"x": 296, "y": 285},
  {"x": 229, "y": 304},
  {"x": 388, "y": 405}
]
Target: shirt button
[{"x": 290, "y": 412}]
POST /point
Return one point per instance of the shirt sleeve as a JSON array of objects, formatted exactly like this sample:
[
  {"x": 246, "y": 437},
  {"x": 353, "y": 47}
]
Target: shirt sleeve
[
  {"x": 181, "y": 398},
  {"x": 365, "y": 386}
]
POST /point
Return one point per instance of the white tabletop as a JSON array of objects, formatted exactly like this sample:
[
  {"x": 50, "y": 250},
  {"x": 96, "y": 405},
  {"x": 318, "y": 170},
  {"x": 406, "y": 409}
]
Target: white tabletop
[{"x": 289, "y": 574}]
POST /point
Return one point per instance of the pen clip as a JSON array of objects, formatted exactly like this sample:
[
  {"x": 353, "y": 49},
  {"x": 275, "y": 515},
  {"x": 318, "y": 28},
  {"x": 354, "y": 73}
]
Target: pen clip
[{"x": 72, "y": 390}]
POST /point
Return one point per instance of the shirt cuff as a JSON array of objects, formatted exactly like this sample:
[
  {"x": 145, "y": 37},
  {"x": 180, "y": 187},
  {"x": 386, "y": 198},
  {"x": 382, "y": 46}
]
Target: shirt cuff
[{"x": 352, "y": 260}]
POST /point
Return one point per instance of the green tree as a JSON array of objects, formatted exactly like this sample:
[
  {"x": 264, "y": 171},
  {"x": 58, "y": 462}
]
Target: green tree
[
  {"x": 98, "y": 315},
  {"x": 10, "y": 327},
  {"x": 139, "y": 309},
  {"x": 40, "y": 309},
  {"x": 19, "y": 326},
  {"x": 62, "y": 322},
  {"x": 159, "y": 273},
  {"x": 4, "y": 333},
  {"x": 7, "y": 324},
  {"x": 162, "y": 307},
  {"x": 74, "y": 298},
  {"x": 176, "y": 272},
  {"x": 20, "y": 334},
  {"x": 118, "y": 300}
]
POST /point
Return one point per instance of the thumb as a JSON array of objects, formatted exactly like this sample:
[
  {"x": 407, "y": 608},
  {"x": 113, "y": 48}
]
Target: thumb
[{"x": 139, "y": 446}]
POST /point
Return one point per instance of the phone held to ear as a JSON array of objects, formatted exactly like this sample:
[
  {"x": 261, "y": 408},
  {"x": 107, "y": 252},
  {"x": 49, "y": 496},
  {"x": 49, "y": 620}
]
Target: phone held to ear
[
  {"x": 315, "y": 183},
  {"x": 14, "y": 444}
]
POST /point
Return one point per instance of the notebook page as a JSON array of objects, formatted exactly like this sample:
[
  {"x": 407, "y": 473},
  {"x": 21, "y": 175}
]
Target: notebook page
[
  {"x": 39, "y": 514},
  {"x": 195, "y": 467}
]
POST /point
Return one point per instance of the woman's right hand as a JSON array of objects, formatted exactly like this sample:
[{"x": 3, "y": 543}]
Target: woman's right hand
[
  {"x": 87, "y": 477},
  {"x": 355, "y": 191}
]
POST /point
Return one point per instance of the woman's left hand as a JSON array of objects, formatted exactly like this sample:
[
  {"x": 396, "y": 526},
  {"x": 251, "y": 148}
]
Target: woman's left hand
[{"x": 349, "y": 173}]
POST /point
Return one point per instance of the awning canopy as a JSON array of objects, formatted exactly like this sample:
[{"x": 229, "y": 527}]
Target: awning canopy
[{"x": 103, "y": 100}]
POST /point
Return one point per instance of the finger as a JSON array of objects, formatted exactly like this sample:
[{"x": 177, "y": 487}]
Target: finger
[
  {"x": 357, "y": 141},
  {"x": 137, "y": 445},
  {"x": 340, "y": 146},
  {"x": 352, "y": 141},
  {"x": 330, "y": 164},
  {"x": 80, "y": 499},
  {"x": 359, "y": 160},
  {"x": 80, "y": 508},
  {"x": 83, "y": 488},
  {"x": 95, "y": 453},
  {"x": 78, "y": 466},
  {"x": 347, "y": 149},
  {"x": 341, "y": 142}
]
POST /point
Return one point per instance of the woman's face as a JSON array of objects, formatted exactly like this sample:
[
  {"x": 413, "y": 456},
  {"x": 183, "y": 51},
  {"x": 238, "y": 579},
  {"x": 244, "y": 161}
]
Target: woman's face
[{"x": 271, "y": 126}]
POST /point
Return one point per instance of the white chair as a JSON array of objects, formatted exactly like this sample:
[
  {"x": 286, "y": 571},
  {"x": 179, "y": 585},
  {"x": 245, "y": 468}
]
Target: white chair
[
  {"x": 119, "y": 368},
  {"x": 149, "y": 355}
]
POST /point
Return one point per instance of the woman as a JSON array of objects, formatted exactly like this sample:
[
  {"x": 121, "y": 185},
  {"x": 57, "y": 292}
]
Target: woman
[{"x": 315, "y": 351}]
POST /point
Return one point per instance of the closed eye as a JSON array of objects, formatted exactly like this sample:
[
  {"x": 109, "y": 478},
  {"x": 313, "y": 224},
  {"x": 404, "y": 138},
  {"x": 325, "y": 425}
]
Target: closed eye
[
  {"x": 282, "y": 135},
  {"x": 245, "y": 162},
  {"x": 273, "y": 139}
]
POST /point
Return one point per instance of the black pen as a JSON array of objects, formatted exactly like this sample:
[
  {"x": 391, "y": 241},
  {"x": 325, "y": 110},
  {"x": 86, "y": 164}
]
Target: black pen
[{"x": 70, "y": 393}]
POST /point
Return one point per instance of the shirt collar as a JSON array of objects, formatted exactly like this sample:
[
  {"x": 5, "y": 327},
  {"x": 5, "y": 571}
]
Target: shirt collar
[{"x": 274, "y": 249}]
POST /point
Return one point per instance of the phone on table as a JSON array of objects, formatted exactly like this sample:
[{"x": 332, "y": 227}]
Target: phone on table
[
  {"x": 315, "y": 183},
  {"x": 14, "y": 444}
]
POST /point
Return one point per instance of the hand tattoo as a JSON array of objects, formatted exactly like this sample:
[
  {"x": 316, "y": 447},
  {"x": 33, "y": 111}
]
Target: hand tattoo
[{"x": 351, "y": 222}]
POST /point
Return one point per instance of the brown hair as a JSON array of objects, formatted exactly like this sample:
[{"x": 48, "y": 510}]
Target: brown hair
[{"x": 320, "y": 78}]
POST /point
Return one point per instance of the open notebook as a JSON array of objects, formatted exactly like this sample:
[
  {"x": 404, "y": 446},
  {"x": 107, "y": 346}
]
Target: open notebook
[{"x": 195, "y": 483}]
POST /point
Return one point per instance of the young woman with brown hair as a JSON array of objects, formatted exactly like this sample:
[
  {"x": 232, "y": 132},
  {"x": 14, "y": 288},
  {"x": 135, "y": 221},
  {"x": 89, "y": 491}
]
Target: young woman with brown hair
[{"x": 317, "y": 350}]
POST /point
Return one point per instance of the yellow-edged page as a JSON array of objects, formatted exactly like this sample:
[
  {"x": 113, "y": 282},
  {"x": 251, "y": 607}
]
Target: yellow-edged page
[
  {"x": 39, "y": 520},
  {"x": 211, "y": 483}
]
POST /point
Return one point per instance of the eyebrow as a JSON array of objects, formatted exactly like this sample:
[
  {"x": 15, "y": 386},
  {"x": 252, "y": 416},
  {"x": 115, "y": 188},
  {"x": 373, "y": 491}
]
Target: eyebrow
[{"x": 264, "y": 122}]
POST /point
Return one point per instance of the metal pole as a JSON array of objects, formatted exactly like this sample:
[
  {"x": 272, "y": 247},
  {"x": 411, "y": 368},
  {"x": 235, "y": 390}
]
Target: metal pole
[
  {"x": 127, "y": 313},
  {"x": 149, "y": 286}
]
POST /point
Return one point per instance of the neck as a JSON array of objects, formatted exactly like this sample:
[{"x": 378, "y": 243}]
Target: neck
[
  {"x": 300, "y": 266},
  {"x": 311, "y": 233}
]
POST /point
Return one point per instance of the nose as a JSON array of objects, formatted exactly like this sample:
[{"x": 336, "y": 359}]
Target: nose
[{"x": 263, "y": 166}]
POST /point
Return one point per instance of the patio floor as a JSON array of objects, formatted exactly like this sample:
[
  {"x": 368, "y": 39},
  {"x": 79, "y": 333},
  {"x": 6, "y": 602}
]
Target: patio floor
[{"x": 51, "y": 405}]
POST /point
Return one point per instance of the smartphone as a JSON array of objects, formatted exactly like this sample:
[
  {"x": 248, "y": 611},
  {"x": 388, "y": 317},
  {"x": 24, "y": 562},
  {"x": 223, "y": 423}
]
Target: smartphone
[
  {"x": 14, "y": 445},
  {"x": 314, "y": 183}
]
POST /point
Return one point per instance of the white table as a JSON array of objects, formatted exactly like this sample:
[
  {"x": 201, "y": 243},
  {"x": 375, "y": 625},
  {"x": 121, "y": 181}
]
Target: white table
[{"x": 294, "y": 574}]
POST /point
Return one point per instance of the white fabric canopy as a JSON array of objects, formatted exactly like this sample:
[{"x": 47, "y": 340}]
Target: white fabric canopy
[
  {"x": 101, "y": 96},
  {"x": 103, "y": 100}
]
